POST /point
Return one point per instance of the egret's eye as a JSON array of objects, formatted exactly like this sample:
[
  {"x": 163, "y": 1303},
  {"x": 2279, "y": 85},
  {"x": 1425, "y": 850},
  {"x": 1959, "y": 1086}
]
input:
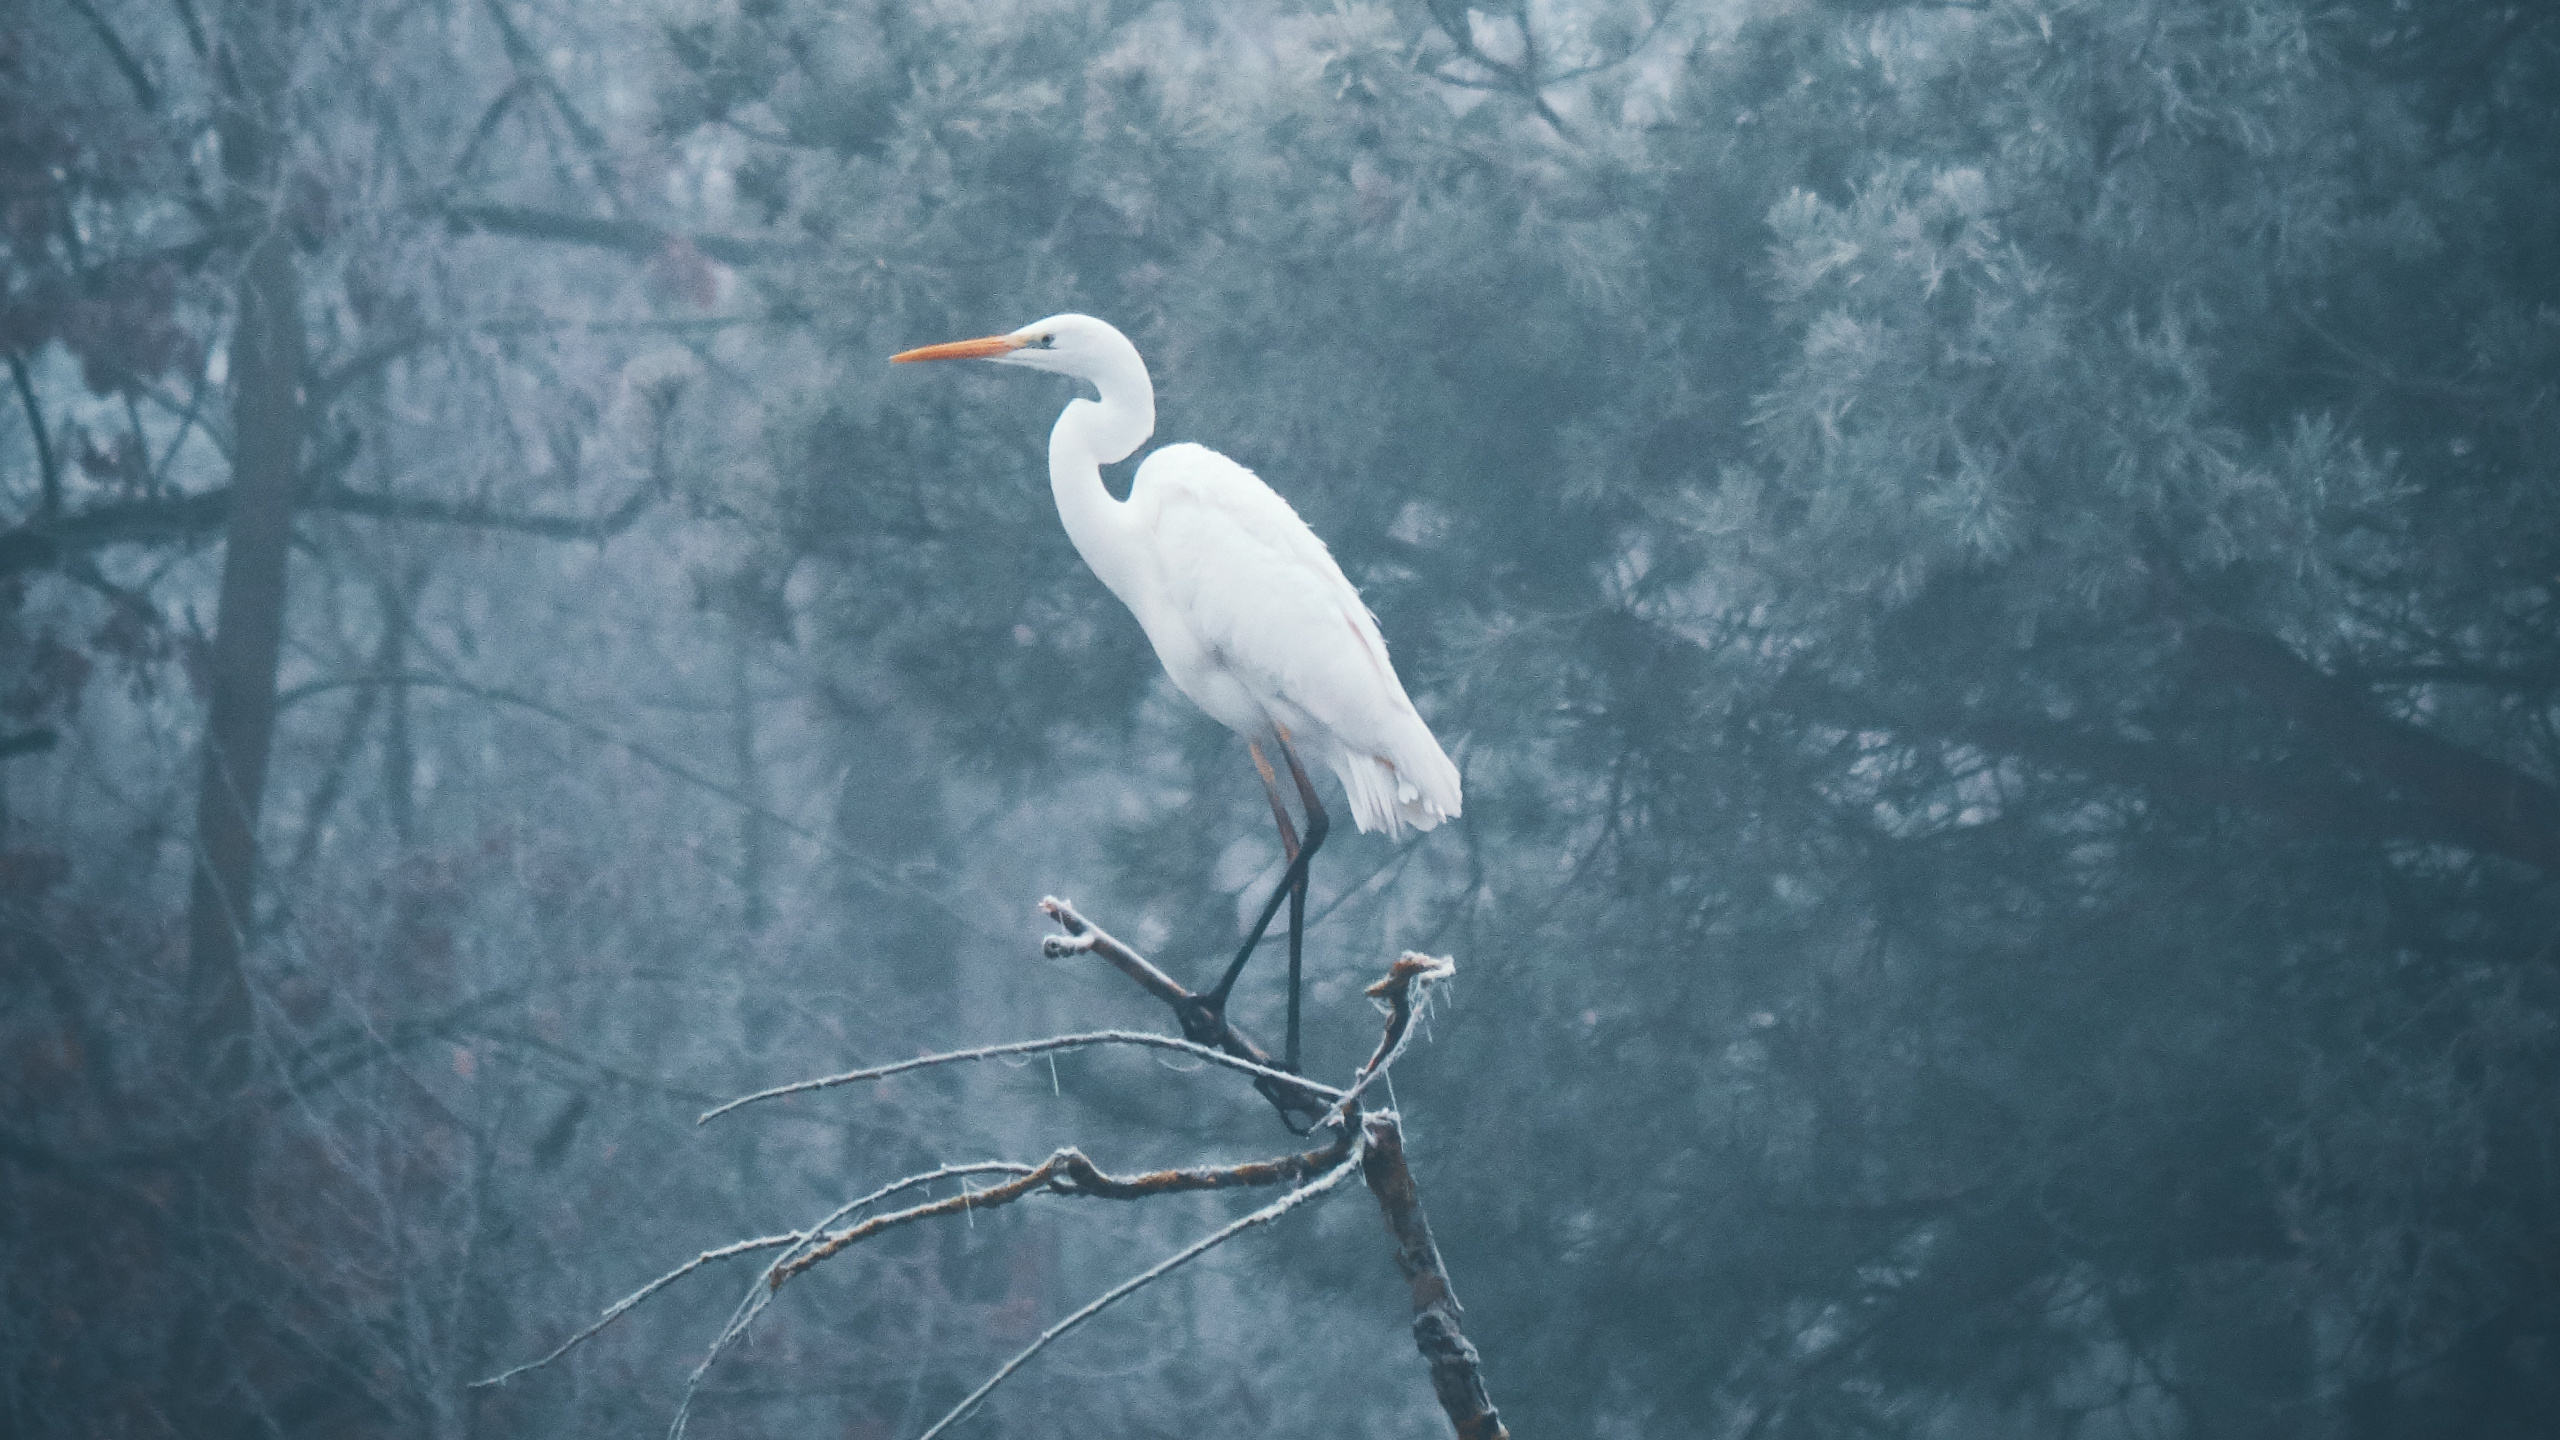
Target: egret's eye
[{"x": 1048, "y": 342}]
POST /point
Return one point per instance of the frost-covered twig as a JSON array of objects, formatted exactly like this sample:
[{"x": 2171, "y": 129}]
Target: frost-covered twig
[
  {"x": 1026, "y": 1047},
  {"x": 622, "y": 1306},
  {"x": 760, "y": 1294},
  {"x": 1289, "y": 1094},
  {"x": 1068, "y": 1172},
  {"x": 1161, "y": 1268},
  {"x": 1407, "y": 982},
  {"x": 1083, "y": 935}
]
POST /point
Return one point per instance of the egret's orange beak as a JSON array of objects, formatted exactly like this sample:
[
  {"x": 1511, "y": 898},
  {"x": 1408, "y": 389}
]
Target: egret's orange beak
[{"x": 986, "y": 349}]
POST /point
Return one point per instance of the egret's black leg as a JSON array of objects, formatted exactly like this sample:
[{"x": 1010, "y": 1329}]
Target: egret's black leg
[
  {"x": 1294, "y": 881},
  {"x": 1317, "y": 824}
]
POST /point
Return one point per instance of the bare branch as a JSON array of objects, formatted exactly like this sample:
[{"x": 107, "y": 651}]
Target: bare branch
[
  {"x": 48, "y": 473},
  {"x": 855, "y": 864},
  {"x": 743, "y": 1247},
  {"x": 1116, "y": 1293},
  {"x": 126, "y": 65},
  {"x": 529, "y": 68},
  {"x": 623, "y": 1306},
  {"x": 1372, "y": 1144},
  {"x": 44, "y": 543},
  {"x": 1024, "y": 1047},
  {"x": 1068, "y": 1172},
  {"x": 374, "y": 505},
  {"x": 1086, "y": 937},
  {"x": 1407, "y": 983},
  {"x": 628, "y": 237},
  {"x": 1289, "y": 1094}
]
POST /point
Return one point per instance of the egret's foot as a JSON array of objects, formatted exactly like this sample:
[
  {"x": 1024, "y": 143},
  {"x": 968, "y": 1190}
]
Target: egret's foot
[{"x": 1204, "y": 1021}]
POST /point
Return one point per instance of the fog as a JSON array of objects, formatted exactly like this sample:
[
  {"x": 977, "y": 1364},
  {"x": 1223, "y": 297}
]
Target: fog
[{"x": 1991, "y": 571}]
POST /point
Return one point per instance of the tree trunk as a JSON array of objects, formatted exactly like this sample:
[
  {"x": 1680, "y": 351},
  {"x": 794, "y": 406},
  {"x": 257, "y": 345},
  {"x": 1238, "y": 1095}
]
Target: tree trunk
[
  {"x": 267, "y": 361},
  {"x": 220, "y": 1340}
]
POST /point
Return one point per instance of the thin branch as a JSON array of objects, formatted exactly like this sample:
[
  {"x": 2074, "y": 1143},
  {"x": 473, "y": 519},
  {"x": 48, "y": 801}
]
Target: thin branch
[
  {"x": 857, "y": 865},
  {"x": 1023, "y": 1047},
  {"x": 48, "y": 471},
  {"x": 42, "y": 544},
  {"x": 1408, "y": 981},
  {"x": 488, "y": 127},
  {"x": 1116, "y": 1293},
  {"x": 623, "y": 1306},
  {"x": 403, "y": 340},
  {"x": 529, "y": 67},
  {"x": 628, "y": 237},
  {"x": 1289, "y": 1094},
  {"x": 129, "y": 67},
  {"x": 378, "y": 506},
  {"x": 1083, "y": 936},
  {"x": 1067, "y": 1172},
  {"x": 1519, "y": 79}
]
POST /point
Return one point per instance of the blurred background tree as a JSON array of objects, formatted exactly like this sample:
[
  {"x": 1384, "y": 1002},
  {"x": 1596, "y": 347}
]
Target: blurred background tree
[{"x": 1991, "y": 569}]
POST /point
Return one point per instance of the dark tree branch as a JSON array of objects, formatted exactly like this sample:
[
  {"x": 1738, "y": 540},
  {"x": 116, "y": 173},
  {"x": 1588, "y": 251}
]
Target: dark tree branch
[
  {"x": 194, "y": 27},
  {"x": 627, "y": 237},
  {"x": 371, "y": 360},
  {"x": 48, "y": 470},
  {"x": 1521, "y": 79},
  {"x": 2470, "y": 798},
  {"x": 44, "y": 545},
  {"x": 2361, "y": 772},
  {"x": 126, "y": 65},
  {"x": 342, "y": 500},
  {"x": 529, "y": 68},
  {"x": 2486, "y": 677},
  {"x": 29, "y": 742},
  {"x": 484, "y": 131}
]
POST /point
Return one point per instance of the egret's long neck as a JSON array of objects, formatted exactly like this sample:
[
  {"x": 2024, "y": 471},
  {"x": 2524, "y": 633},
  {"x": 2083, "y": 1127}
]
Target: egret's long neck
[{"x": 1089, "y": 435}]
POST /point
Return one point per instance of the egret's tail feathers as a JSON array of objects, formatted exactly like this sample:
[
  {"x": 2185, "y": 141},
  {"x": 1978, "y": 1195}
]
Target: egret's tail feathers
[{"x": 1385, "y": 798}]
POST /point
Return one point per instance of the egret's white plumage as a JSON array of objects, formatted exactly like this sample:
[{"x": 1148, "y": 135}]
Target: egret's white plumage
[{"x": 1246, "y": 608}]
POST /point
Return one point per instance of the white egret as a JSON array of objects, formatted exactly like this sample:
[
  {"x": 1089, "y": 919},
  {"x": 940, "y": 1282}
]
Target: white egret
[{"x": 1245, "y": 606}]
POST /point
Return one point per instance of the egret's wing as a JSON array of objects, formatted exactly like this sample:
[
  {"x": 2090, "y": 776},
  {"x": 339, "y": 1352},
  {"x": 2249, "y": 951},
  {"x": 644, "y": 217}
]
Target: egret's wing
[
  {"x": 1258, "y": 588},
  {"x": 1263, "y": 595}
]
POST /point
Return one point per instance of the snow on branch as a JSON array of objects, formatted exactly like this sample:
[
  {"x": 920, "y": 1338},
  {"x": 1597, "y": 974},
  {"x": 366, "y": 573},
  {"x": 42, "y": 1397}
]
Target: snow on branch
[
  {"x": 1068, "y": 1172},
  {"x": 1023, "y": 1047},
  {"x": 1161, "y": 1268},
  {"x": 730, "y": 1251}
]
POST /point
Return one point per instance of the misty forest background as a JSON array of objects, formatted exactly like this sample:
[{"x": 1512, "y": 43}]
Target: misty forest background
[{"x": 1993, "y": 570}]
